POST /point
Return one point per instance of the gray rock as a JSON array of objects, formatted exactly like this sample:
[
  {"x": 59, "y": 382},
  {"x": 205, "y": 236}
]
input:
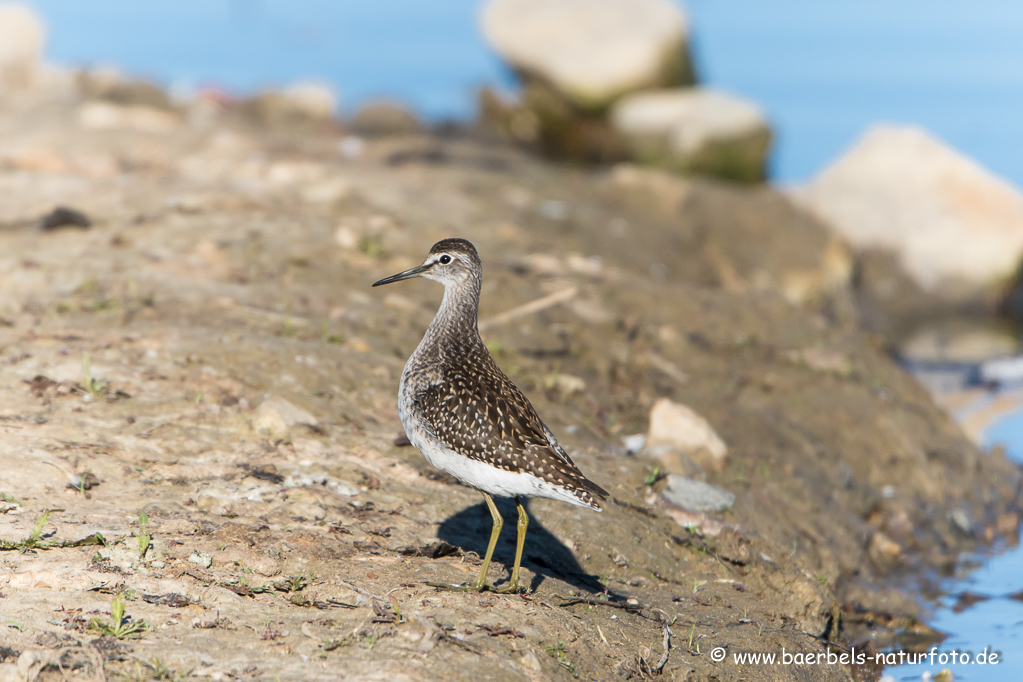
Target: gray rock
[
  {"x": 697, "y": 495},
  {"x": 695, "y": 130},
  {"x": 201, "y": 559},
  {"x": 22, "y": 35},
  {"x": 960, "y": 520},
  {"x": 591, "y": 52},
  {"x": 300, "y": 480},
  {"x": 955, "y": 226}
]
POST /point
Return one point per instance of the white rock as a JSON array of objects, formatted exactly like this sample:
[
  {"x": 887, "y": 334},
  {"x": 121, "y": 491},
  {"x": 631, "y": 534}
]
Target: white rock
[
  {"x": 276, "y": 415},
  {"x": 29, "y": 579},
  {"x": 566, "y": 384},
  {"x": 634, "y": 442},
  {"x": 314, "y": 100},
  {"x": 31, "y": 663},
  {"x": 695, "y": 129},
  {"x": 882, "y": 548},
  {"x": 9, "y": 673},
  {"x": 1002, "y": 371},
  {"x": 346, "y": 237},
  {"x": 951, "y": 222},
  {"x": 21, "y": 44},
  {"x": 675, "y": 425},
  {"x": 591, "y": 51}
]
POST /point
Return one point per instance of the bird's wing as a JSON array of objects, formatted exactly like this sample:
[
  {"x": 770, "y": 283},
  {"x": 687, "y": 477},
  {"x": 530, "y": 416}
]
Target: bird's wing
[{"x": 486, "y": 417}]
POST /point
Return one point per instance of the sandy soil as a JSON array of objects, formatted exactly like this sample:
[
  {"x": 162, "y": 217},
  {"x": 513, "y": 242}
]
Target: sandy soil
[{"x": 204, "y": 379}]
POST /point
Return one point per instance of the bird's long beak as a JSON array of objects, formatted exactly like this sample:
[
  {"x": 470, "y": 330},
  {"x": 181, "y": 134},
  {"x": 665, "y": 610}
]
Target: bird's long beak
[{"x": 408, "y": 274}]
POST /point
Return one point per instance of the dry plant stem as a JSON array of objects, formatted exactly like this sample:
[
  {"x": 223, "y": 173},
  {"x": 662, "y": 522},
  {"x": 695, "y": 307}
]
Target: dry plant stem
[
  {"x": 359, "y": 590},
  {"x": 571, "y": 601},
  {"x": 665, "y": 640},
  {"x": 529, "y": 308}
]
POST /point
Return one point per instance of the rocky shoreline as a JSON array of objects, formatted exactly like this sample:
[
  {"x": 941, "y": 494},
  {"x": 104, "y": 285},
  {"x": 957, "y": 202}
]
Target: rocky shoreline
[
  {"x": 240, "y": 391},
  {"x": 200, "y": 426}
]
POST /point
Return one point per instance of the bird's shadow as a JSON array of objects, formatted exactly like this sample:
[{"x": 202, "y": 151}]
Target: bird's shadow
[{"x": 543, "y": 554}]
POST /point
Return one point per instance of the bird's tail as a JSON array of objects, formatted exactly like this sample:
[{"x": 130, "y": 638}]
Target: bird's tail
[{"x": 589, "y": 492}]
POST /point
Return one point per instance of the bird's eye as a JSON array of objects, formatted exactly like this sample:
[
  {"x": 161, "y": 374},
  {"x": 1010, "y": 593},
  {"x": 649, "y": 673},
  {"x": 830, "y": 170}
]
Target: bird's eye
[{"x": 444, "y": 260}]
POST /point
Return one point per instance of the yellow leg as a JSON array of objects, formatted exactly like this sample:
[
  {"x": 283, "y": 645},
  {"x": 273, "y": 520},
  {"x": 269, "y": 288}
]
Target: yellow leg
[
  {"x": 513, "y": 584},
  {"x": 481, "y": 579},
  {"x": 480, "y": 584}
]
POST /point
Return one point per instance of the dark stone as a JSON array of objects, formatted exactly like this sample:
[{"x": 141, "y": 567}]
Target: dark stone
[{"x": 62, "y": 216}]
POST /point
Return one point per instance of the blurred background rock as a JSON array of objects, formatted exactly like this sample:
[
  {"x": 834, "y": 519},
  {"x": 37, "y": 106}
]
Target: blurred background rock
[
  {"x": 727, "y": 90},
  {"x": 925, "y": 225}
]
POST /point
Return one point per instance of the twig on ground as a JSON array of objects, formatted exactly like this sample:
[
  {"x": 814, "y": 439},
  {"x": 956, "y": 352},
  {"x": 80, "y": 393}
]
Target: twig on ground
[
  {"x": 570, "y": 601},
  {"x": 529, "y": 308},
  {"x": 665, "y": 640},
  {"x": 359, "y": 590},
  {"x": 445, "y": 637}
]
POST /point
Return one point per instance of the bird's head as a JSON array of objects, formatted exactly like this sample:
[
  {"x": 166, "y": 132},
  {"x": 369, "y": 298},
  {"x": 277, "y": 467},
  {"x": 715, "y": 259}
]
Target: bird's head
[{"x": 452, "y": 262}]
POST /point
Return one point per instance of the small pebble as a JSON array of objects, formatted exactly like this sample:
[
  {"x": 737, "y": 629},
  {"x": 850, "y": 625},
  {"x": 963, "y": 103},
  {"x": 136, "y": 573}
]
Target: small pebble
[{"x": 201, "y": 559}]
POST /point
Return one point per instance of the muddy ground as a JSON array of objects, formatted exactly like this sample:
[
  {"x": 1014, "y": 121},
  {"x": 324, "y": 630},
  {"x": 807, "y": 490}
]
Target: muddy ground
[{"x": 145, "y": 362}]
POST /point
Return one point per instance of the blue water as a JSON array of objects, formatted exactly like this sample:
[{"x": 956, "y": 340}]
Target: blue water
[
  {"x": 996, "y": 624},
  {"x": 823, "y": 69},
  {"x": 1008, "y": 432},
  {"x": 427, "y": 53}
]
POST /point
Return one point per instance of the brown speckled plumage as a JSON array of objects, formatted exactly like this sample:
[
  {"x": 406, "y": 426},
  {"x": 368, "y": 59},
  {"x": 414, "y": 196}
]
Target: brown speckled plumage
[
  {"x": 468, "y": 418},
  {"x": 466, "y": 402},
  {"x": 479, "y": 413}
]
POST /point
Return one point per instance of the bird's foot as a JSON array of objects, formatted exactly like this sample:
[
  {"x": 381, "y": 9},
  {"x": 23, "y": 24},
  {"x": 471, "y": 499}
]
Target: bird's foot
[
  {"x": 510, "y": 588},
  {"x": 464, "y": 587}
]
